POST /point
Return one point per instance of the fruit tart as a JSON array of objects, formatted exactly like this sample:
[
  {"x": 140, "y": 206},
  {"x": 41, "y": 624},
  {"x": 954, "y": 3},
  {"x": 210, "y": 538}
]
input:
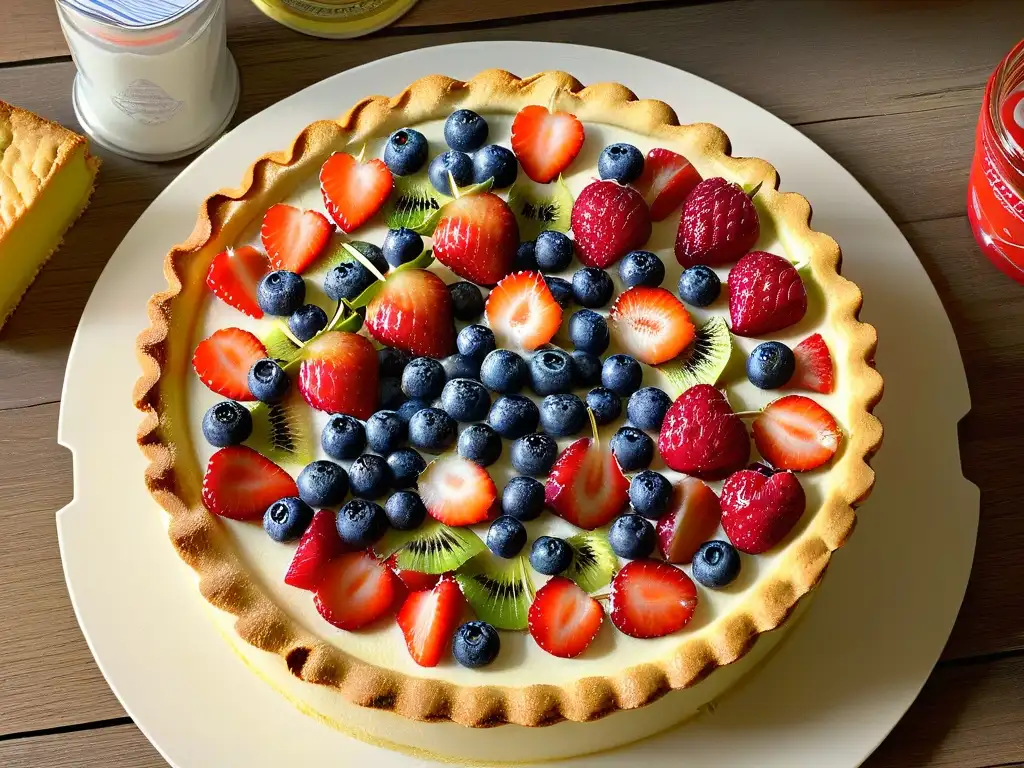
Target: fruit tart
[{"x": 506, "y": 402}]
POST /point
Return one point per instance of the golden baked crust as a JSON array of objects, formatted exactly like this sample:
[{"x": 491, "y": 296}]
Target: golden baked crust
[{"x": 174, "y": 479}]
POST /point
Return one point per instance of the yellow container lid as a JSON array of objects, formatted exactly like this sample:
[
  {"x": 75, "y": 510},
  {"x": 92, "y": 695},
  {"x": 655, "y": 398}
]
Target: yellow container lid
[{"x": 335, "y": 18}]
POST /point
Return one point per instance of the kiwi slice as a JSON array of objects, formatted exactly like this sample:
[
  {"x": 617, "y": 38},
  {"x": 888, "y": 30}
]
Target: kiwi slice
[
  {"x": 282, "y": 431},
  {"x": 279, "y": 344},
  {"x": 499, "y": 591},
  {"x": 539, "y": 207},
  {"x": 414, "y": 204},
  {"x": 431, "y": 548},
  {"x": 704, "y": 360},
  {"x": 593, "y": 563}
]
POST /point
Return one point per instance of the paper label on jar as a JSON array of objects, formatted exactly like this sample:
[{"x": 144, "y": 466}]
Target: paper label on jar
[
  {"x": 338, "y": 10},
  {"x": 147, "y": 102}
]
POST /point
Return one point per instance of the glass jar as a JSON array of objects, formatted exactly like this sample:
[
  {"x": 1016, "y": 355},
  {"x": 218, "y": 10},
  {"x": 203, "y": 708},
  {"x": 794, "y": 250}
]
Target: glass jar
[{"x": 995, "y": 192}]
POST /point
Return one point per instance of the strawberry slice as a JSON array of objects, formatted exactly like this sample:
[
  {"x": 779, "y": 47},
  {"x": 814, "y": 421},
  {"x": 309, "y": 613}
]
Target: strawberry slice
[
  {"x": 413, "y": 311},
  {"x": 428, "y": 620},
  {"x": 339, "y": 374},
  {"x": 477, "y": 237},
  {"x": 651, "y": 599},
  {"x": 354, "y": 191},
  {"x": 609, "y": 220},
  {"x": 319, "y": 545},
  {"x": 234, "y": 276},
  {"x": 564, "y": 619},
  {"x": 223, "y": 360},
  {"x": 814, "y": 369},
  {"x": 586, "y": 486},
  {"x": 354, "y": 590},
  {"x": 796, "y": 433},
  {"x": 456, "y": 491},
  {"x": 692, "y": 520},
  {"x": 758, "y": 511},
  {"x": 666, "y": 181},
  {"x": 293, "y": 238},
  {"x": 651, "y": 324},
  {"x": 522, "y": 312},
  {"x": 240, "y": 483},
  {"x": 413, "y": 581},
  {"x": 545, "y": 143}
]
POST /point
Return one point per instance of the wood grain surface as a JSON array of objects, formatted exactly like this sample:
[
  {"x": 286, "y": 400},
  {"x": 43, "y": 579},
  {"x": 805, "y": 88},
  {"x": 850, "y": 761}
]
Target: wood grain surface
[{"x": 891, "y": 90}]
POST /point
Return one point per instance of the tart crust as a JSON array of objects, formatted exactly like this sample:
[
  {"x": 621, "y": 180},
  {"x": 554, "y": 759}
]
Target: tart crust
[{"x": 174, "y": 479}]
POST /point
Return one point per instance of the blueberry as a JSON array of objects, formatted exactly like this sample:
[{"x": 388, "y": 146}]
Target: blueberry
[
  {"x": 227, "y": 423},
  {"x": 495, "y": 162},
  {"x": 513, "y": 416},
  {"x": 372, "y": 253},
  {"x": 641, "y": 268},
  {"x": 369, "y": 476},
  {"x": 465, "y": 130},
  {"x": 592, "y": 287},
  {"x": 699, "y": 286},
  {"x": 391, "y": 395},
  {"x": 589, "y": 331},
  {"x": 633, "y": 449},
  {"x": 347, "y": 280},
  {"x": 503, "y": 371},
  {"x": 385, "y": 432},
  {"x": 475, "y": 644},
  {"x": 770, "y": 365},
  {"x": 432, "y": 430},
  {"x": 391, "y": 361},
  {"x": 506, "y": 537},
  {"x": 405, "y": 510},
  {"x": 561, "y": 289},
  {"x": 307, "y": 321},
  {"x": 460, "y": 366},
  {"x": 605, "y": 405},
  {"x": 650, "y": 493},
  {"x": 480, "y": 443},
  {"x": 361, "y": 523},
  {"x": 411, "y": 407},
  {"x": 586, "y": 368},
  {"x": 465, "y": 400},
  {"x": 632, "y": 537},
  {"x": 405, "y": 465},
  {"x": 405, "y": 152},
  {"x": 550, "y": 555},
  {"x": 534, "y": 454},
  {"x": 281, "y": 293},
  {"x": 344, "y": 437},
  {"x": 526, "y": 257},
  {"x": 287, "y": 519},
  {"x": 551, "y": 372},
  {"x": 455, "y": 163},
  {"x": 647, "y": 407},
  {"x": 553, "y": 251},
  {"x": 268, "y": 382},
  {"x": 622, "y": 375},
  {"x": 562, "y": 415},
  {"x": 476, "y": 341},
  {"x": 467, "y": 300},
  {"x": 523, "y": 498},
  {"x": 401, "y": 246},
  {"x": 423, "y": 378},
  {"x": 620, "y": 162},
  {"x": 716, "y": 564},
  {"x": 322, "y": 483}
]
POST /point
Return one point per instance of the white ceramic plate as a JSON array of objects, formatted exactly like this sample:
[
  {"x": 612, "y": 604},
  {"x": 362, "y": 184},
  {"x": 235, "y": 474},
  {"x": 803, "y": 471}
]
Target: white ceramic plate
[{"x": 827, "y": 698}]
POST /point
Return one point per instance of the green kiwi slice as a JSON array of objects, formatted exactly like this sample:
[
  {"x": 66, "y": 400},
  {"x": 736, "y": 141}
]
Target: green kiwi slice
[
  {"x": 414, "y": 204},
  {"x": 431, "y": 548},
  {"x": 280, "y": 344},
  {"x": 704, "y": 360},
  {"x": 282, "y": 431},
  {"x": 539, "y": 207},
  {"x": 499, "y": 591},
  {"x": 593, "y": 563}
]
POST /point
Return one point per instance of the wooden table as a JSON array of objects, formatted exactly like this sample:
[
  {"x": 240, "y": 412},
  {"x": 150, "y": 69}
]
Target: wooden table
[{"x": 890, "y": 89}]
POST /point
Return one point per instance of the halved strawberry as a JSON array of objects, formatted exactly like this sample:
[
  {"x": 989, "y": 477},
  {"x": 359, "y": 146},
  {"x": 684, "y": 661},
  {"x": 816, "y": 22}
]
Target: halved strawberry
[
  {"x": 354, "y": 191},
  {"x": 666, "y": 181},
  {"x": 651, "y": 324},
  {"x": 240, "y": 483},
  {"x": 759, "y": 510},
  {"x": 293, "y": 238},
  {"x": 564, "y": 619},
  {"x": 586, "y": 485},
  {"x": 456, "y": 491},
  {"x": 222, "y": 361},
  {"x": 692, "y": 520},
  {"x": 413, "y": 311},
  {"x": 522, "y": 312},
  {"x": 319, "y": 545},
  {"x": 794, "y": 432},
  {"x": 354, "y": 589},
  {"x": 652, "y": 599},
  {"x": 234, "y": 275},
  {"x": 477, "y": 237},
  {"x": 814, "y": 369},
  {"x": 609, "y": 220},
  {"x": 413, "y": 581},
  {"x": 428, "y": 619},
  {"x": 545, "y": 143},
  {"x": 339, "y": 374}
]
